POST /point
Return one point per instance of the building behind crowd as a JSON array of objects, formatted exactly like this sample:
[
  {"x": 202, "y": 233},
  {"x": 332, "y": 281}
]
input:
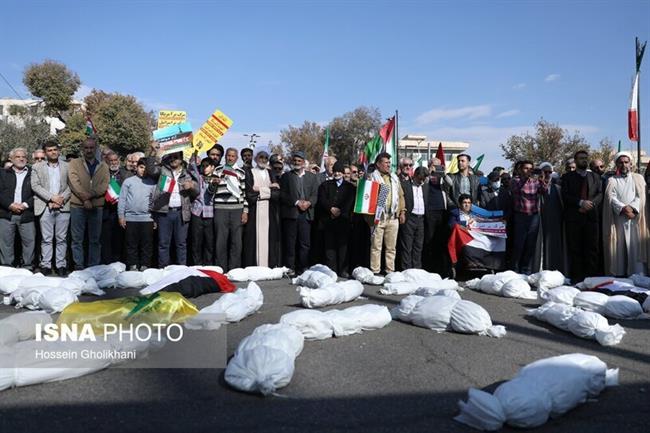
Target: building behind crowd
[
  {"x": 13, "y": 111},
  {"x": 419, "y": 148}
]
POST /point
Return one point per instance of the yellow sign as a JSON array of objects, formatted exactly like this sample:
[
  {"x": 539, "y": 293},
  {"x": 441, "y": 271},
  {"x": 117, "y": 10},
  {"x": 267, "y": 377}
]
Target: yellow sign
[
  {"x": 168, "y": 117},
  {"x": 211, "y": 131}
]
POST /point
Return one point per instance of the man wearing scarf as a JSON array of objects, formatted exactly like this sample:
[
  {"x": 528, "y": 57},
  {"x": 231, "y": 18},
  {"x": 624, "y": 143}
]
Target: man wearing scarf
[
  {"x": 389, "y": 218},
  {"x": 624, "y": 220},
  {"x": 230, "y": 211}
]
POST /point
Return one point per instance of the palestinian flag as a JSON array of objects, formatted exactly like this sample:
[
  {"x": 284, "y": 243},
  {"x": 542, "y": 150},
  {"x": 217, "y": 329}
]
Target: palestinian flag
[
  {"x": 367, "y": 196},
  {"x": 633, "y": 112},
  {"x": 387, "y": 133},
  {"x": 113, "y": 192},
  {"x": 482, "y": 244},
  {"x": 479, "y": 160},
  {"x": 372, "y": 149},
  {"x": 166, "y": 183},
  {"x": 191, "y": 282}
]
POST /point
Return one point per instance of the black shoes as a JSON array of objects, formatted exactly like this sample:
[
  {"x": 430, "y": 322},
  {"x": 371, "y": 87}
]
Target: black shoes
[
  {"x": 62, "y": 272},
  {"x": 46, "y": 271}
]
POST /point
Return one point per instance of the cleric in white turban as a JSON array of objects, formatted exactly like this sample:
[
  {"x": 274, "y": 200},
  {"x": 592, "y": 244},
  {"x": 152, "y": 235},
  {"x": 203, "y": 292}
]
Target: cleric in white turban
[{"x": 625, "y": 231}]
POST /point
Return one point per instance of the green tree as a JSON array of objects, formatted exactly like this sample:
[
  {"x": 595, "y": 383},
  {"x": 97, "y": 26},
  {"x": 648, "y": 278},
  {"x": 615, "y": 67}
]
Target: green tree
[
  {"x": 54, "y": 83},
  {"x": 350, "y": 132},
  {"x": 30, "y": 134},
  {"x": 308, "y": 138},
  {"x": 550, "y": 143},
  {"x": 74, "y": 133},
  {"x": 121, "y": 121}
]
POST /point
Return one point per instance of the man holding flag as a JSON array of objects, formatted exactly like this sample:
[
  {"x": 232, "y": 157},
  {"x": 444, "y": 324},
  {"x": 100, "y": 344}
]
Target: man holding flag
[
  {"x": 112, "y": 234},
  {"x": 388, "y": 216}
]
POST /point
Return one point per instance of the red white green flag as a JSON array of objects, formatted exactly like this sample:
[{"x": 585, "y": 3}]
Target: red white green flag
[
  {"x": 387, "y": 133},
  {"x": 166, "y": 183},
  {"x": 113, "y": 192},
  {"x": 367, "y": 195}
]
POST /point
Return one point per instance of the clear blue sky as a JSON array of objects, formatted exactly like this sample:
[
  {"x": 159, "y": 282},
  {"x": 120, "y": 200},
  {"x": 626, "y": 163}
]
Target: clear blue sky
[{"x": 475, "y": 71}]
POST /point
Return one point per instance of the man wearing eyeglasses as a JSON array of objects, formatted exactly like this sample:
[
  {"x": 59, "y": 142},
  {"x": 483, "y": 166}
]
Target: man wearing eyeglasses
[
  {"x": 405, "y": 169},
  {"x": 37, "y": 156}
]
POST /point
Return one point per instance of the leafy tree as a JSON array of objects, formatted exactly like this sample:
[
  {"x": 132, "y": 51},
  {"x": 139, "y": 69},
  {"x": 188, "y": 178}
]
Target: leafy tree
[
  {"x": 550, "y": 143},
  {"x": 30, "y": 134},
  {"x": 605, "y": 152},
  {"x": 308, "y": 138},
  {"x": 121, "y": 121},
  {"x": 54, "y": 83},
  {"x": 350, "y": 132},
  {"x": 276, "y": 148},
  {"x": 74, "y": 133}
]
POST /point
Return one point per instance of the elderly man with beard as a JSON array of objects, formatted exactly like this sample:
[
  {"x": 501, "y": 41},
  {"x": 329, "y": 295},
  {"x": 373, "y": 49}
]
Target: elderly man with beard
[{"x": 625, "y": 227}]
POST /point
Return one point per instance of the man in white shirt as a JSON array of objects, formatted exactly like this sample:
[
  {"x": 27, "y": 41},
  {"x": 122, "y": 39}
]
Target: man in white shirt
[
  {"x": 411, "y": 233},
  {"x": 17, "y": 210}
]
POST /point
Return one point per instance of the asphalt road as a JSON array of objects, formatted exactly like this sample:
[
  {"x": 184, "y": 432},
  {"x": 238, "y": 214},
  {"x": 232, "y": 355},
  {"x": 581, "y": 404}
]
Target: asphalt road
[{"x": 397, "y": 379}]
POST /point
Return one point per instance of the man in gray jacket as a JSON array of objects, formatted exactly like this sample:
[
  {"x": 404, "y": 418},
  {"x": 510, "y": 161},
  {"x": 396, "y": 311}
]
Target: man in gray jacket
[
  {"x": 52, "y": 204},
  {"x": 171, "y": 205}
]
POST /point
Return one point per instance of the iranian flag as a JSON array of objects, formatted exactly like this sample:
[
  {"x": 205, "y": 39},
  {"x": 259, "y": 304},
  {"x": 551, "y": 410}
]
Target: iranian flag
[
  {"x": 326, "y": 149},
  {"x": 90, "y": 127},
  {"x": 633, "y": 112},
  {"x": 387, "y": 133},
  {"x": 166, "y": 184},
  {"x": 113, "y": 192},
  {"x": 367, "y": 195}
]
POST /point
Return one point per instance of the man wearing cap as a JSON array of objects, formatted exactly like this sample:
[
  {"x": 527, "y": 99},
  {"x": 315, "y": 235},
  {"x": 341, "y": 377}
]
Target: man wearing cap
[
  {"x": 625, "y": 229},
  {"x": 334, "y": 209},
  {"x": 385, "y": 231},
  {"x": 551, "y": 250},
  {"x": 462, "y": 182},
  {"x": 171, "y": 205},
  {"x": 298, "y": 195},
  {"x": 262, "y": 232}
]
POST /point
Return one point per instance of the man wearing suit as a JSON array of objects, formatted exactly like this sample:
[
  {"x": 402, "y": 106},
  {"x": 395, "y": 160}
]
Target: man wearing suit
[
  {"x": 582, "y": 195},
  {"x": 52, "y": 205},
  {"x": 298, "y": 194},
  {"x": 462, "y": 182},
  {"x": 334, "y": 209},
  {"x": 17, "y": 209},
  {"x": 416, "y": 195}
]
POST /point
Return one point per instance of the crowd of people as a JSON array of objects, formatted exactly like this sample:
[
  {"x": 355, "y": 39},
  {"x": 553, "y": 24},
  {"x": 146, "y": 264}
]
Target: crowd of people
[{"x": 235, "y": 209}]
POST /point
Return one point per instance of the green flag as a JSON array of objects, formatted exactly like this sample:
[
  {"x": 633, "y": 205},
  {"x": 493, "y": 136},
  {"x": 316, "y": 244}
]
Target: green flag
[
  {"x": 619, "y": 146},
  {"x": 373, "y": 147},
  {"x": 479, "y": 160},
  {"x": 326, "y": 149}
]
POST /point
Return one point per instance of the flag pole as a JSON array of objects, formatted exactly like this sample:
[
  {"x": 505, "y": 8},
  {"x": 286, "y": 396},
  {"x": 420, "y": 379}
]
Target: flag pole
[
  {"x": 396, "y": 140},
  {"x": 640, "y": 49}
]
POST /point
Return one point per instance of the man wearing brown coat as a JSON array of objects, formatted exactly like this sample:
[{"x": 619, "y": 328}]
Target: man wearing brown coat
[{"x": 88, "y": 179}]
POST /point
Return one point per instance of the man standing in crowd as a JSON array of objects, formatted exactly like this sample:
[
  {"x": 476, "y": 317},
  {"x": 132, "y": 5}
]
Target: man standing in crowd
[
  {"x": 17, "y": 210},
  {"x": 262, "y": 232},
  {"x": 277, "y": 167},
  {"x": 298, "y": 195},
  {"x": 489, "y": 198},
  {"x": 597, "y": 166},
  {"x": 570, "y": 165},
  {"x": 230, "y": 211},
  {"x": 405, "y": 169},
  {"x": 171, "y": 205},
  {"x": 216, "y": 153},
  {"x": 385, "y": 232},
  {"x": 88, "y": 181},
  {"x": 52, "y": 205},
  {"x": 37, "y": 156},
  {"x": 328, "y": 173},
  {"x": 462, "y": 182},
  {"x": 526, "y": 191},
  {"x": 112, "y": 234},
  {"x": 625, "y": 227},
  {"x": 551, "y": 245},
  {"x": 582, "y": 195},
  {"x": 247, "y": 158},
  {"x": 436, "y": 229},
  {"x": 335, "y": 203},
  {"x": 416, "y": 196},
  {"x": 202, "y": 225},
  {"x": 135, "y": 218}
]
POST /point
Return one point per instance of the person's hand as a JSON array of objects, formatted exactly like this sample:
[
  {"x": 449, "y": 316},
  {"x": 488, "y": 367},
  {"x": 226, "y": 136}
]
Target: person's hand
[
  {"x": 187, "y": 184},
  {"x": 16, "y": 208},
  {"x": 244, "y": 218},
  {"x": 88, "y": 204},
  {"x": 470, "y": 222},
  {"x": 275, "y": 186},
  {"x": 58, "y": 199},
  {"x": 587, "y": 205},
  {"x": 122, "y": 222},
  {"x": 402, "y": 217},
  {"x": 155, "y": 225},
  {"x": 256, "y": 188},
  {"x": 336, "y": 212}
]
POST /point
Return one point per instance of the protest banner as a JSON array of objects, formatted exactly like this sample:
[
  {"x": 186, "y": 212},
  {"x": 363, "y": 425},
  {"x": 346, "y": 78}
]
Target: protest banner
[
  {"x": 211, "y": 131},
  {"x": 174, "y": 138},
  {"x": 170, "y": 117}
]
